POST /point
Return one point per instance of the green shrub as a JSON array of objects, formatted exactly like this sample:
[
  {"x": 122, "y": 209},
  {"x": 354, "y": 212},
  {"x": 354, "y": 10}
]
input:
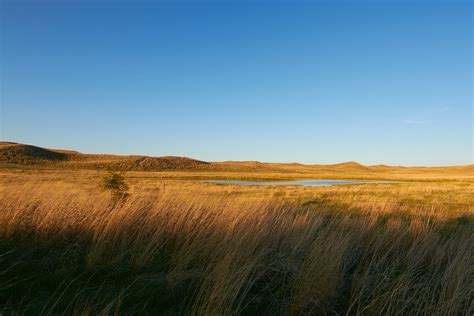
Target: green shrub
[{"x": 115, "y": 183}]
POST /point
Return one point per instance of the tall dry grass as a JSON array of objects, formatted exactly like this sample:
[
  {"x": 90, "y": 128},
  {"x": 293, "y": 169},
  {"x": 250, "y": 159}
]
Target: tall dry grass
[{"x": 201, "y": 249}]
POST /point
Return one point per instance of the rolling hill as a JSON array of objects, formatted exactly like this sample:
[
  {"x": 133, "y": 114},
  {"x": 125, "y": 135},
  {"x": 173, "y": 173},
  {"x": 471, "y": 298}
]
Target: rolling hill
[
  {"x": 14, "y": 154},
  {"x": 20, "y": 154}
]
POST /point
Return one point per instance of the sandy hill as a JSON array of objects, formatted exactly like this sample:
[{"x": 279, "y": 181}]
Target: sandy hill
[
  {"x": 27, "y": 154},
  {"x": 13, "y": 153},
  {"x": 21, "y": 154}
]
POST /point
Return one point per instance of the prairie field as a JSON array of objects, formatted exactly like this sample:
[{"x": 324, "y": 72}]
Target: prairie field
[
  {"x": 227, "y": 158},
  {"x": 177, "y": 245}
]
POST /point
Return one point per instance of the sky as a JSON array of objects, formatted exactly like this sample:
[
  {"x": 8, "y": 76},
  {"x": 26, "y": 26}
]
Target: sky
[{"x": 377, "y": 82}]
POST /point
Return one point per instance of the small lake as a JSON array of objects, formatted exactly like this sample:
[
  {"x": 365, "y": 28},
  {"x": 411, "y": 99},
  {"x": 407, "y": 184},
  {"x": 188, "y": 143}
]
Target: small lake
[{"x": 298, "y": 182}]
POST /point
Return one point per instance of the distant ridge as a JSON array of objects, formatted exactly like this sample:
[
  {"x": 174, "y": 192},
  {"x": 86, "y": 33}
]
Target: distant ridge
[
  {"x": 13, "y": 153},
  {"x": 350, "y": 164},
  {"x": 20, "y": 154},
  {"x": 28, "y": 154}
]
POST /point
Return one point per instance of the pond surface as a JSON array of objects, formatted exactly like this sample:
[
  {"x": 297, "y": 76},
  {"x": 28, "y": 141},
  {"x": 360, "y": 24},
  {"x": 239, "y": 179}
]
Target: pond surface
[{"x": 297, "y": 182}]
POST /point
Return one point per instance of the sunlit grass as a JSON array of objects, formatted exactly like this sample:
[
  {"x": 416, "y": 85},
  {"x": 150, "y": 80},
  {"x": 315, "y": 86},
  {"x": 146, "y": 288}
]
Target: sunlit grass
[{"x": 187, "y": 247}]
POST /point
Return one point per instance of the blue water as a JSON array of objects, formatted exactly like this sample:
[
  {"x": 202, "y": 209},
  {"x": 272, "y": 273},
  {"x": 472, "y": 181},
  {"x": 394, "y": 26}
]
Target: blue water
[{"x": 296, "y": 182}]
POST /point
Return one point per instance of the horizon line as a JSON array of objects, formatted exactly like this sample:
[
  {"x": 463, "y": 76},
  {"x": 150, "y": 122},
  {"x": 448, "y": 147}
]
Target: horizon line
[{"x": 242, "y": 161}]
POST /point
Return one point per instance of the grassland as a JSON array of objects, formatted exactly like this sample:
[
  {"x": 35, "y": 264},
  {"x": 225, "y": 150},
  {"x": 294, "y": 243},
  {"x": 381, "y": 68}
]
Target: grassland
[{"x": 179, "y": 245}]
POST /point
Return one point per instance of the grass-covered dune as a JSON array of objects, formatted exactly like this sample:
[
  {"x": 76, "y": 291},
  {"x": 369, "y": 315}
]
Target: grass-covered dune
[
  {"x": 180, "y": 247},
  {"x": 14, "y": 156}
]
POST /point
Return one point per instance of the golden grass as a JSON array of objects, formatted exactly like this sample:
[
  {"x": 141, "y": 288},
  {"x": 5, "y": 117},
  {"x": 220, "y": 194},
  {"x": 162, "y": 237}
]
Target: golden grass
[{"x": 190, "y": 247}]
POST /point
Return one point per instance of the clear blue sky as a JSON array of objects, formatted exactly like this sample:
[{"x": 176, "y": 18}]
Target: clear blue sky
[{"x": 312, "y": 82}]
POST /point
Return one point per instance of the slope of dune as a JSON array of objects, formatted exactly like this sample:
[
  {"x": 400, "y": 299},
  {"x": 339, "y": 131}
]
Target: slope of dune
[
  {"x": 13, "y": 153},
  {"x": 137, "y": 163},
  {"x": 28, "y": 154},
  {"x": 21, "y": 154}
]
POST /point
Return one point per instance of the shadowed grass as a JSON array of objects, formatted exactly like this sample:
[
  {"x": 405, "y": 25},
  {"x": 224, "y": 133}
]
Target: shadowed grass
[{"x": 197, "y": 248}]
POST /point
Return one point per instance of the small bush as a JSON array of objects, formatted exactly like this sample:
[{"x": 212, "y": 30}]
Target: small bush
[{"x": 115, "y": 183}]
